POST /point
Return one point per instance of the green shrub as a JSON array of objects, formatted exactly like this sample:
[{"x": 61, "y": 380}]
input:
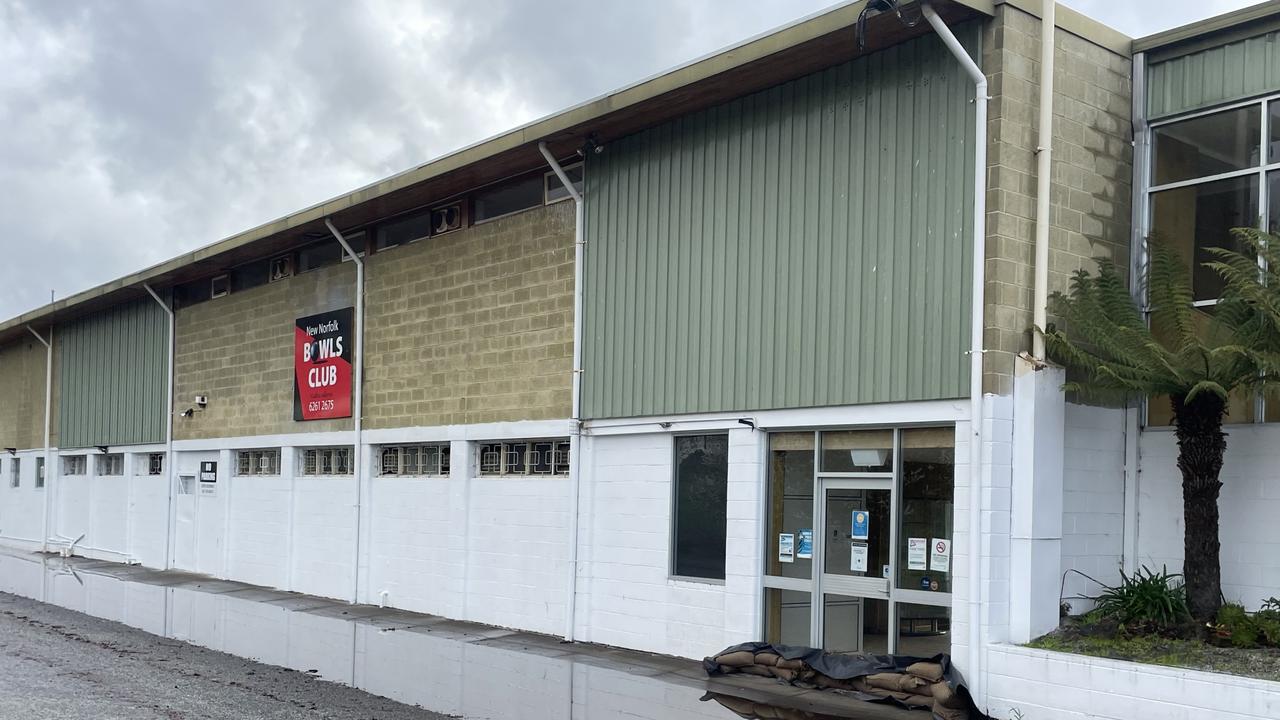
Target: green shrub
[
  {"x": 1145, "y": 598},
  {"x": 1247, "y": 630}
]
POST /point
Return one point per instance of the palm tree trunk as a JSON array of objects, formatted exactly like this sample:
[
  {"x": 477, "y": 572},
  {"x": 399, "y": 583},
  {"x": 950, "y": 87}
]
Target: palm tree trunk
[{"x": 1201, "y": 444}]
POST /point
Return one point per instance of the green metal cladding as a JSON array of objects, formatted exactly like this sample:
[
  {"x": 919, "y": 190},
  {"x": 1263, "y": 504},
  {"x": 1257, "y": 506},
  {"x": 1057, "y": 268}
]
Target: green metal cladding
[
  {"x": 803, "y": 246},
  {"x": 1232, "y": 71},
  {"x": 113, "y": 375}
]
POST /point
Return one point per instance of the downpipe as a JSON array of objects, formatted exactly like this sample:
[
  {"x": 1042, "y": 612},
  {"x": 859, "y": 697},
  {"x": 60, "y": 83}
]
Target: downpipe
[
  {"x": 48, "y": 452},
  {"x": 1044, "y": 170},
  {"x": 575, "y": 421},
  {"x": 170, "y": 461},
  {"x": 357, "y": 425},
  {"x": 974, "y": 672}
]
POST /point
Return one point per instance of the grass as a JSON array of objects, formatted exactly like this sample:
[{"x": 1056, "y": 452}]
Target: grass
[{"x": 1083, "y": 637}]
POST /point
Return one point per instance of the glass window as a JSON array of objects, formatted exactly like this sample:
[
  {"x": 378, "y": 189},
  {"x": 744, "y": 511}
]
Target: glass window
[
  {"x": 857, "y": 538},
  {"x": 855, "y": 624},
  {"x": 1199, "y": 217},
  {"x": 701, "y": 494},
  {"x": 790, "y": 533},
  {"x": 111, "y": 465},
  {"x": 857, "y": 451},
  {"x": 15, "y": 472},
  {"x": 508, "y": 197},
  {"x": 403, "y": 230},
  {"x": 926, "y": 513},
  {"x": 39, "y": 472},
  {"x": 923, "y": 630},
  {"x": 155, "y": 464},
  {"x": 258, "y": 462},
  {"x": 556, "y": 190},
  {"x": 1207, "y": 145},
  {"x": 788, "y": 615},
  {"x": 1273, "y": 145},
  {"x": 74, "y": 465}
]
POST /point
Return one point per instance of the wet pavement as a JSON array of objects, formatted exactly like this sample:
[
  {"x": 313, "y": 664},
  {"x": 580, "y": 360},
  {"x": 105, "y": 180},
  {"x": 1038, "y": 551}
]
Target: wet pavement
[{"x": 443, "y": 666}]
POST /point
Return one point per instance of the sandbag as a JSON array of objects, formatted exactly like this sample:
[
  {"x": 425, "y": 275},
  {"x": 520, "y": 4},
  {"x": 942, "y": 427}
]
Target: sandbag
[
  {"x": 791, "y": 664},
  {"x": 767, "y": 659},
  {"x": 884, "y": 681},
  {"x": 738, "y": 659},
  {"x": 783, "y": 673},
  {"x": 758, "y": 670},
  {"x": 945, "y": 713},
  {"x": 927, "y": 670},
  {"x": 946, "y": 697}
]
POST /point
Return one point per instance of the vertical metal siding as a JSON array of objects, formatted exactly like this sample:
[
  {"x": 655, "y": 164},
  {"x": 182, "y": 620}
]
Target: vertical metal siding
[
  {"x": 1232, "y": 71},
  {"x": 113, "y": 374},
  {"x": 806, "y": 245}
]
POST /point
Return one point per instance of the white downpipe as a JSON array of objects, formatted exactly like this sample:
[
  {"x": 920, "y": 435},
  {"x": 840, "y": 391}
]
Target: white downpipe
[
  {"x": 48, "y": 422},
  {"x": 356, "y": 454},
  {"x": 170, "y": 462},
  {"x": 1044, "y": 170},
  {"x": 575, "y": 422},
  {"x": 974, "y": 672}
]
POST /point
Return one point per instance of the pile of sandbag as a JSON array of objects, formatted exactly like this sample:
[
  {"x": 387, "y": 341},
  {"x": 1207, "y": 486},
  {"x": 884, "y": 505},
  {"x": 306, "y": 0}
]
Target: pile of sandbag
[{"x": 920, "y": 684}]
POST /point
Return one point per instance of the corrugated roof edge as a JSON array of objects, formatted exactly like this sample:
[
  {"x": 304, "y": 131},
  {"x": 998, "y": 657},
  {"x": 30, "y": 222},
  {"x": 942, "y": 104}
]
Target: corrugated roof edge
[
  {"x": 1187, "y": 38},
  {"x": 807, "y": 28}
]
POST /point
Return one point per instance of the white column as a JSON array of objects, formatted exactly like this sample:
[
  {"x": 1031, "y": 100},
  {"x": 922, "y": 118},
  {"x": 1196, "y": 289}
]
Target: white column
[{"x": 1039, "y": 432}]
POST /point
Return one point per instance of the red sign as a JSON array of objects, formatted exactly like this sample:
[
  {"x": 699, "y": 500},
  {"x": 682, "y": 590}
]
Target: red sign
[{"x": 323, "y": 346}]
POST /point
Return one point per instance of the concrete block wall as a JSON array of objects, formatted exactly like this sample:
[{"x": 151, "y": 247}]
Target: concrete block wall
[
  {"x": 1248, "y": 506},
  {"x": 474, "y": 326},
  {"x": 22, "y": 375},
  {"x": 238, "y": 351},
  {"x": 21, "y": 508},
  {"x": 1093, "y": 513},
  {"x": 627, "y": 596},
  {"x": 1043, "y": 685},
  {"x": 1091, "y": 182}
]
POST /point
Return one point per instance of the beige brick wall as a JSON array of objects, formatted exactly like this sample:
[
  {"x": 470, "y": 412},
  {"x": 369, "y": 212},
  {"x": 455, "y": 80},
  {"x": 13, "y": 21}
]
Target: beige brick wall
[
  {"x": 238, "y": 350},
  {"x": 1092, "y": 173},
  {"x": 22, "y": 395},
  {"x": 474, "y": 326}
]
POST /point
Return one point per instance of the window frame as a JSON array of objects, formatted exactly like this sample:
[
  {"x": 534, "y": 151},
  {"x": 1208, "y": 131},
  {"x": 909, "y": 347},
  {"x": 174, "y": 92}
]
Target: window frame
[
  {"x": 15, "y": 472},
  {"x": 75, "y": 465},
  {"x": 326, "y": 461},
  {"x": 559, "y": 466},
  {"x": 40, "y": 472},
  {"x": 252, "y": 469},
  {"x": 1148, "y": 190},
  {"x": 443, "y": 464},
  {"x": 104, "y": 465},
  {"x": 675, "y": 508}
]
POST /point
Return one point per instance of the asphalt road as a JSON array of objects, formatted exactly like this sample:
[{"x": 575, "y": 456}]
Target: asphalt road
[{"x": 59, "y": 664}]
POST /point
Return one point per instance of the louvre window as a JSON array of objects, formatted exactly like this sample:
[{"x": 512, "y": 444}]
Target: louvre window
[
  {"x": 416, "y": 460},
  {"x": 258, "y": 462},
  {"x": 525, "y": 457}
]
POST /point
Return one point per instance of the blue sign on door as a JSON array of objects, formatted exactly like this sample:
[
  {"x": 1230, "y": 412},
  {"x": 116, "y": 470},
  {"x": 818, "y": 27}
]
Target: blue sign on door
[
  {"x": 861, "y": 525},
  {"x": 805, "y": 544}
]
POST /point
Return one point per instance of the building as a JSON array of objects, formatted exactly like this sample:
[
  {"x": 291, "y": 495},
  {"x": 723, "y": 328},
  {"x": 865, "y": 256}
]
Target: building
[{"x": 700, "y": 361}]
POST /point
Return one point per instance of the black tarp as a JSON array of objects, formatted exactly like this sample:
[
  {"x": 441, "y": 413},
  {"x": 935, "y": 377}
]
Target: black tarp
[{"x": 849, "y": 666}]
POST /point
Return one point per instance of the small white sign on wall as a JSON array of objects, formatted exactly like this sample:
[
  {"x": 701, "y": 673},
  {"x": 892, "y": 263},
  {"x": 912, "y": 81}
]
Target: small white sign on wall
[{"x": 786, "y": 547}]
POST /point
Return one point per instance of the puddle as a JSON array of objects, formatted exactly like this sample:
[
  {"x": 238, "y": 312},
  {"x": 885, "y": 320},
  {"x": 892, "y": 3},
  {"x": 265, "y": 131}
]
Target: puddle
[{"x": 461, "y": 669}]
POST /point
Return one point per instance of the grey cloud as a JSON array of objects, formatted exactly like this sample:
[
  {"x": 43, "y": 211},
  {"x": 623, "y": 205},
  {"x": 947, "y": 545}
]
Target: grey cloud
[{"x": 132, "y": 131}]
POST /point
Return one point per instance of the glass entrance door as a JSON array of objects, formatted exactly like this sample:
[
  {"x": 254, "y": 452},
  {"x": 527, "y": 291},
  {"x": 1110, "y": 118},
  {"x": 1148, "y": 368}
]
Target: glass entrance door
[{"x": 859, "y": 532}]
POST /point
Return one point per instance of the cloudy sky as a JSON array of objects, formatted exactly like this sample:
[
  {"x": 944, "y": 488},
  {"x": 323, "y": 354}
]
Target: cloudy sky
[{"x": 133, "y": 131}]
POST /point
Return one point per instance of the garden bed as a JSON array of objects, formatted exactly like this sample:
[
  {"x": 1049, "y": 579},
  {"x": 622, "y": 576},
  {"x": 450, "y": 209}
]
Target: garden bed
[{"x": 1080, "y": 636}]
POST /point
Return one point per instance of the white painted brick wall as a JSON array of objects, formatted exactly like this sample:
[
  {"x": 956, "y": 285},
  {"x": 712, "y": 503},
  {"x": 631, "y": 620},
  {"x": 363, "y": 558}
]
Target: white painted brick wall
[
  {"x": 1249, "y": 506},
  {"x": 21, "y": 508},
  {"x": 259, "y": 542},
  {"x": 1093, "y": 499},
  {"x": 627, "y": 596},
  {"x": 416, "y": 545},
  {"x": 1043, "y": 685},
  {"x": 323, "y": 536}
]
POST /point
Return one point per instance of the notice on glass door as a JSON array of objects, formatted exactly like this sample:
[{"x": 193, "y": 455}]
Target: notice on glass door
[
  {"x": 786, "y": 547},
  {"x": 858, "y": 557},
  {"x": 940, "y": 557},
  {"x": 805, "y": 549},
  {"x": 917, "y": 553},
  {"x": 860, "y": 525}
]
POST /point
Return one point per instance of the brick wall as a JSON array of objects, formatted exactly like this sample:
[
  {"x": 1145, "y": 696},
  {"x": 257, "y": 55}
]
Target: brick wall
[
  {"x": 238, "y": 350},
  {"x": 1092, "y": 173},
  {"x": 474, "y": 326},
  {"x": 22, "y": 394}
]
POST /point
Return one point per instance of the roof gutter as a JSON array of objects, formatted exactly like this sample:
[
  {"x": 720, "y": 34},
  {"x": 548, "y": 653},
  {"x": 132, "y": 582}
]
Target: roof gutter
[
  {"x": 575, "y": 419},
  {"x": 973, "y": 672}
]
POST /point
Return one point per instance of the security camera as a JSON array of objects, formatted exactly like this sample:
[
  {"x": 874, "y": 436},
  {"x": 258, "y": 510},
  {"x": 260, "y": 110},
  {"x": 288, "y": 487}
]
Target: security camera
[{"x": 188, "y": 412}]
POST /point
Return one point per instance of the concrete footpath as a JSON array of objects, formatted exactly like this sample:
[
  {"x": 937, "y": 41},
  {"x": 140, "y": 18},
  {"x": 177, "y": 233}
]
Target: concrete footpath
[
  {"x": 59, "y": 664},
  {"x": 179, "y": 651}
]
